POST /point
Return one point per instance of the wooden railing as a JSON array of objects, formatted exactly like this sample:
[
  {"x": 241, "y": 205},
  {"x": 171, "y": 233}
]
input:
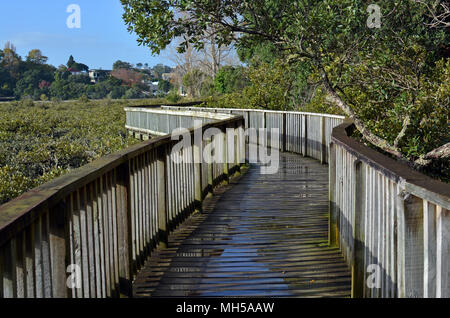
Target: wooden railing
[
  {"x": 308, "y": 134},
  {"x": 87, "y": 233},
  {"x": 391, "y": 222}
]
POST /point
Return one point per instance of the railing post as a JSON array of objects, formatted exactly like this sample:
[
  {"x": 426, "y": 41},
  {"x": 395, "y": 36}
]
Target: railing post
[
  {"x": 197, "y": 162},
  {"x": 332, "y": 230},
  {"x": 210, "y": 167},
  {"x": 247, "y": 137},
  {"x": 410, "y": 246},
  {"x": 224, "y": 139},
  {"x": 358, "y": 270},
  {"x": 242, "y": 143},
  {"x": 123, "y": 199},
  {"x": 323, "y": 148},
  {"x": 304, "y": 135},
  {"x": 163, "y": 232},
  {"x": 263, "y": 130},
  {"x": 283, "y": 133},
  {"x": 59, "y": 250}
]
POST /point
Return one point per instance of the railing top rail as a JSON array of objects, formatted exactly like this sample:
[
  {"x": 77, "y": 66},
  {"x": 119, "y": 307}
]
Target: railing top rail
[
  {"x": 409, "y": 179},
  {"x": 18, "y": 213},
  {"x": 266, "y": 111},
  {"x": 187, "y": 113}
]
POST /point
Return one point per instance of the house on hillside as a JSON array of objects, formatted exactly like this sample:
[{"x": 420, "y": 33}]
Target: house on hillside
[
  {"x": 74, "y": 71},
  {"x": 98, "y": 75}
]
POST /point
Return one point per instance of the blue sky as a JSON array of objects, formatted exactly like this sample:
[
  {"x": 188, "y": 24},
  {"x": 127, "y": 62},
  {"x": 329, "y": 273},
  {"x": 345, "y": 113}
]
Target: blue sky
[{"x": 102, "y": 39}]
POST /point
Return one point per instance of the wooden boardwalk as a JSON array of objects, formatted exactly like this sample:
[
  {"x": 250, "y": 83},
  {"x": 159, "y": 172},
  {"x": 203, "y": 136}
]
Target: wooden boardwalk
[{"x": 262, "y": 235}]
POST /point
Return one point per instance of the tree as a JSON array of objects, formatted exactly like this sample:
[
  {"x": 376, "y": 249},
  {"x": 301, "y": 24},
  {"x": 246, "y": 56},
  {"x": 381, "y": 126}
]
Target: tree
[
  {"x": 358, "y": 65},
  {"x": 197, "y": 83},
  {"x": 132, "y": 93},
  {"x": 70, "y": 62},
  {"x": 30, "y": 81},
  {"x": 164, "y": 86},
  {"x": 127, "y": 76},
  {"x": 215, "y": 55},
  {"x": 120, "y": 64},
  {"x": 11, "y": 60},
  {"x": 230, "y": 79},
  {"x": 36, "y": 56},
  {"x": 160, "y": 69}
]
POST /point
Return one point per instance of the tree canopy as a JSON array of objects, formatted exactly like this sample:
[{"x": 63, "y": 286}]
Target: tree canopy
[{"x": 383, "y": 65}]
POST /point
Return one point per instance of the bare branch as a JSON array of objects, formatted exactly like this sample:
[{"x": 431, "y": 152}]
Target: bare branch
[
  {"x": 402, "y": 132},
  {"x": 439, "y": 13},
  {"x": 438, "y": 153}
]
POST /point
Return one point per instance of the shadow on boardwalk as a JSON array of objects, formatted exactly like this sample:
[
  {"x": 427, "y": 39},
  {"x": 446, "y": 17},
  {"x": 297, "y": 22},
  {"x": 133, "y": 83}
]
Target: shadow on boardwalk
[{"x": 262, "y": 235}]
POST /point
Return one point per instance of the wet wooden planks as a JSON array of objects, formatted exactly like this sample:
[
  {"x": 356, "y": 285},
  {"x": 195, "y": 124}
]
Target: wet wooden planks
[{"x": 262, "y": 235}]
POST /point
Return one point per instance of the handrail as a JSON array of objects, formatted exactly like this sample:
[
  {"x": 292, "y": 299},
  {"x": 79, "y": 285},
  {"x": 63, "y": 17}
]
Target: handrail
[
  {"x": 300, "y": 132},
  {"x": 97, "y": 224},
  {"x": 389, "y": 219},
  {"x": 217, "y": 110}
]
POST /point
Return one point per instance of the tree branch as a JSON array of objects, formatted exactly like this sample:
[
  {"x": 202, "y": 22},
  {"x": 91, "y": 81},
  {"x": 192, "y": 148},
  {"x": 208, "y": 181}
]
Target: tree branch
[
  {"x": 402, "y": 132},
  {"x": 333, "y": 97},
  {"x": 438, "y": 153}
]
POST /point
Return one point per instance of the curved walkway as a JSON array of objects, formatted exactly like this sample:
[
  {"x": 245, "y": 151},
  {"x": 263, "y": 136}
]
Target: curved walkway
[{"x": 262, "y": 235}]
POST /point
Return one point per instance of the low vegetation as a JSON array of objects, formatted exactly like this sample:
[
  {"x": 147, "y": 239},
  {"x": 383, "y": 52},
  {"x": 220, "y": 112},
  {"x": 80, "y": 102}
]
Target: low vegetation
[{"x": 43, "y": 140}]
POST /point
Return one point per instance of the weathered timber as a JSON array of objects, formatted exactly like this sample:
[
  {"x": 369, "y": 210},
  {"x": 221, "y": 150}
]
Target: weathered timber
[{"x": 262, "y": 235}]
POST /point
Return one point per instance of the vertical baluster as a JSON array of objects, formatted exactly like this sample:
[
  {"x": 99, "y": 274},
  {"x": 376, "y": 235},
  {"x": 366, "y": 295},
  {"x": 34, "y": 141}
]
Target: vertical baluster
[
  {"x": 96, "y": 238},
  {"x": 59, "y": 248},
  {"x": 162, "y": 172},
  {"x": 84, "y": 243},
  {"x": 8, "y": 270},
  {"x": 110, "y": 218},
  {"x": 90, "y": 239},
  {"x": 46, "y": 263},
  {"x": 358, "y": 190},
  {"x": 101, "y": 234},
  {"x": 333, "y": 209},
  {"x": 410, "y": 245},
  {"x": 367, "y": 224},
  {"x": 429, "y": 244},
  {"x": 393, "y": 225},
  {"x": 442, "y": 250},
  {"x": 388, "y": 237},
  {"x": 2, "y": 270},
  {"x": 114, "y": 193},
  {"x": 147, "y": 198},
  {"x": 29, "y": 262},
  {"x": 105, "y": 227},
  {"x": 77, "y": 245},
  {"x": 123, "y": 199},
  {"x": 19, "y": 256},
  {"x": 134, "y": 207}
]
